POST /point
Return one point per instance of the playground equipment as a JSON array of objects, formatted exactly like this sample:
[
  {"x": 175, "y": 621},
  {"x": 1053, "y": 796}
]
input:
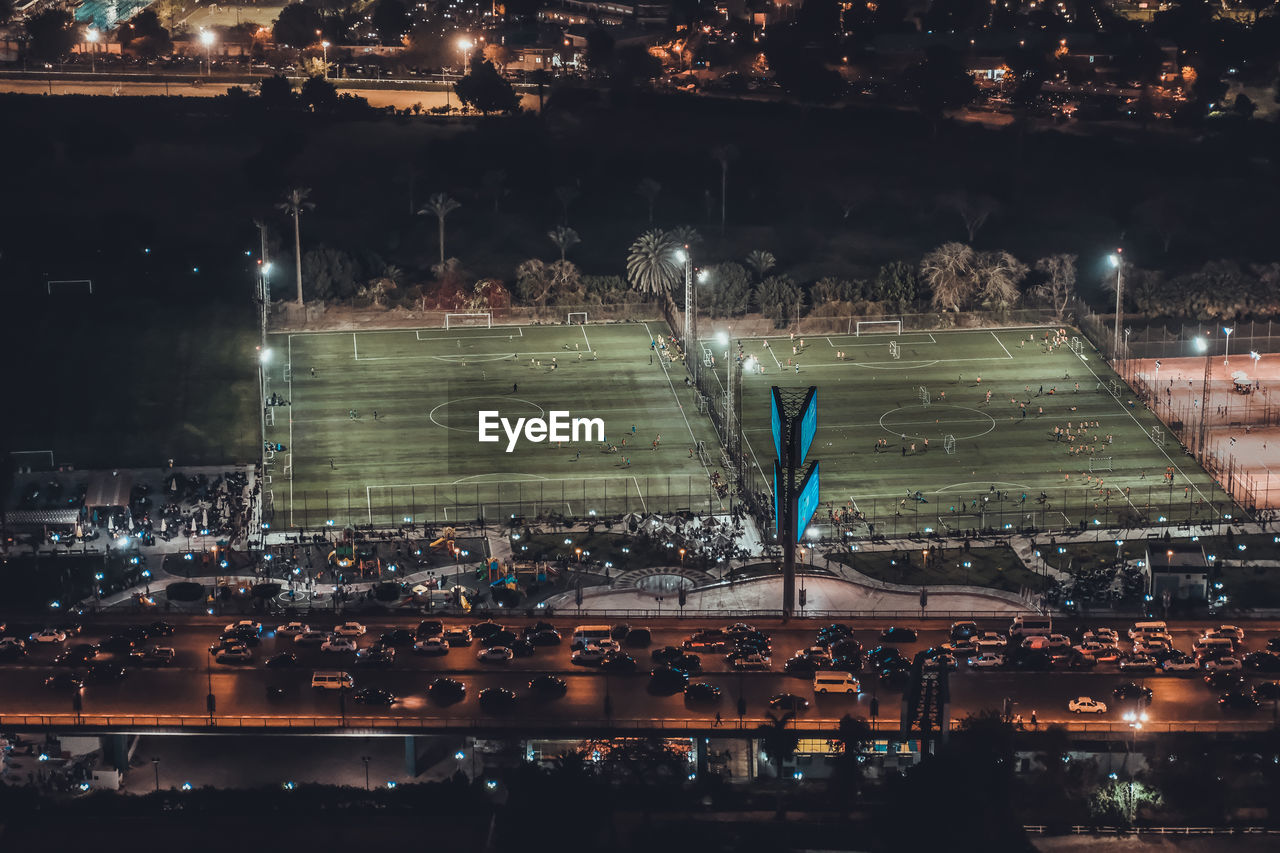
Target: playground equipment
[{"x": 445, "y": 542}]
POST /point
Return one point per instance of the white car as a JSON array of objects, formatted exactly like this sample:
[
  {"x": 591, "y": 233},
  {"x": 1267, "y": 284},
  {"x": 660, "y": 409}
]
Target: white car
[
  {"x": 1151, "y": 645},
  {"x": 292, "y": 629},
  {"x": 243, "y": 624},
  {"x": 1097, "y": 650},
  {"x": 1222, "y": 664},
  {"x": 1102, "y": 635},
  {"x": 1086, "y": 705},
  {"x": 592, "y": 655},
  {"x": 990, "y": 641},
  {"x": 754, "y": 661},
  {"x": 1059, "y": 641},
  {"x": 987, "y": 660},
  {"x": 431, "y": 646},
  {"x": 1183, "y": 664},
  {"x": 1228, "y": 631},
  {"x": 234, "y": 654},
  {"x": 495, "y": 654},
  {"x": 310, "y": 638},
  {"x": 338, "y": 644},
  {"x": 349, "y": 629},
  {"x": 49, "y": 635}
]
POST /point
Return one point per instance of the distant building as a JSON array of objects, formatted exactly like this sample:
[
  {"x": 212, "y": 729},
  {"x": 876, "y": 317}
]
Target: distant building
[
  {"x": 609, "y": 13},
  {"x": 1179, "y": 568}
]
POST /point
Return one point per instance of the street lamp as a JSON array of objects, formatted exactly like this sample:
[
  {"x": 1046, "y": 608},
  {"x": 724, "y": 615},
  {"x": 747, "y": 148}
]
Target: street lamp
[
  {"x": 206, "y": 39},
  {"x": 464, "y": 46},
  {"x": 1117, "y": 261},
  {"x": 92, "y": 36},
  {"x": 1226, "y": 356},
  {"x": 1253, "y": 354},
  {"x": 324, "y": 47}
]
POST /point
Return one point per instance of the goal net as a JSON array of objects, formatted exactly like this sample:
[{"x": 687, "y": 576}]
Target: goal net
[
  {"x": 949, "y": 443},
  {"x": 1099, "y": 463},
  {"x": 925, "y": 399},
  {"x": 1077, "y": 347},
  {"x": 894, "y": 352},
  {"x": 1157, "y": 436},
  {"x": 468, "y": 321},
  {"x": 76, "y": 286},
  {"x": 876, "y": 327},
  {"x": 577, "y": 318}
]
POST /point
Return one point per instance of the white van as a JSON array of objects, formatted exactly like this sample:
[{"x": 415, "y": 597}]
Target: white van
[
  {"x": 331, "y": 680},
  {"x": 585, "y": 635},
  {"x": 830, "y": 681},
  {"x": 1142, "y": 628},
  {"x": 1210, "y": 648},
  {"x": 1031, "y": 626}
]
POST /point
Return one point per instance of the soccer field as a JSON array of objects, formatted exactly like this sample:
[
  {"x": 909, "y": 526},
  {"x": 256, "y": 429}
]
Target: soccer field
[
  {"x": 1003, "y": 468},
  {"x": 420, "y": 461}
]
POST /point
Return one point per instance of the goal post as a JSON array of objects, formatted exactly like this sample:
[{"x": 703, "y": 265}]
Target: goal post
[
  {"x": 894, "y": 351},
  {"x": 469, "y": 321},
  {"x": 949, "y": 443},
  {"x": 1099, "y": 463},
  {"x": 875, "y": 327},
  {"x": 925, "y": 399},
  {"x": 577, "y": 318},
  {"x": 69, "y": 285}
]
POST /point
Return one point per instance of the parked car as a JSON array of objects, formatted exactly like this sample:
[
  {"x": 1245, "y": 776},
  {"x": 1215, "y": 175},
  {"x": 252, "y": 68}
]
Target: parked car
[
  {"x": 1267, "y": 691},
  {"x": 234, "y": 654},
  {"x": 1262, "y": 662},
  {"x": 899, "y": 635},
  {"x": 397, "y": 637},
  {"x": 375, "y": 656},
  {"x": 1222, "y": 664},
  {"x": 987, "y": 660},
  {"x": 639, "y": 638},
  {"x": 618, "y": 662},
  {"x": 592, "y": 655},
  {"x": 545, "y": 638},
  {"x": 1138, "y": 663},
  {"x": 667, "y": 679},
  {"x": 247, "y": 626},
  {"x": 495, "y": 654},
  {"x": 429, "y": 628},
  {"x": 484, "y": 630},
  {"x": 1086, "y": 705},
  {"x": 757, "y": 662},
  {"x": 456, "y": 637},
  {"x": 1180, "y": 663}
]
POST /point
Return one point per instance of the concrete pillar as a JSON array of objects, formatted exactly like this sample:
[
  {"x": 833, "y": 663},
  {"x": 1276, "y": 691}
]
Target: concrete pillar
[
  {"x": 411, "y": 756},
  {"x": 700, "y": 755},
  {"x": 115, "y": 751}
]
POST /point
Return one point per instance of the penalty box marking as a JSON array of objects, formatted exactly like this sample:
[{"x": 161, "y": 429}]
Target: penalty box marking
[{"x": 368, "y": 489}]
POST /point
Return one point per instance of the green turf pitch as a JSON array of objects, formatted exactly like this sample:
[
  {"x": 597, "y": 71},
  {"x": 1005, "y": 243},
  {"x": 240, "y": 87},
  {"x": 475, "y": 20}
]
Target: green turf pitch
[
  {"x": 866, "y": 395},
  {"x": 421, "y": 458}
]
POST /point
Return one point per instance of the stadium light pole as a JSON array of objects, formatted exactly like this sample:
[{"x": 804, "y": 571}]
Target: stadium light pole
[
  {"x": 324, "y": 48},
  {"x": 92, "y": 36},
  {"x": 682, "y": 255},
  {"x": 206, "y": 39},
  {"x": 1226, "y": 356},
  {"x": 1117, "y": 261},
  {"x": 1202, "y": 344},
  {"x": 723, "y": 338}
]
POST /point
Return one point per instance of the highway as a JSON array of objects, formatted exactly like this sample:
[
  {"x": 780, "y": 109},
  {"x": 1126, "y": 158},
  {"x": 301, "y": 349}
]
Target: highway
[{"x": 179, "y": 689}]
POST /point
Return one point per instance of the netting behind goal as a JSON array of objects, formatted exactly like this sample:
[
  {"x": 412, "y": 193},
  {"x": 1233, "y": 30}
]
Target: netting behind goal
[
  {"x": 925, "y": 399},
  {"x": 875, "y": 327},
  {"x": 465, "y": 321}
]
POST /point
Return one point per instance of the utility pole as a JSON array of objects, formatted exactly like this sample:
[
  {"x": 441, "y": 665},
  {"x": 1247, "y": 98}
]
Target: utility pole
[{"x": 1118, "y": 260}]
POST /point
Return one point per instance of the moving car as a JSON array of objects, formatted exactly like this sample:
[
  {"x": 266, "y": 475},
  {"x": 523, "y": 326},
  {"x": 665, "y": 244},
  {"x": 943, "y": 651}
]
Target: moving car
[
  {"x": 233, "y": 654},
  {"x": 667, "y": 679},
  {"x": 375, "y": 656},
  {"x": 1138, "y": 663},
  {"x": 1180, "y": 663},
  {"x": 49, "y": 635},
  {"x": 484, "y": 630},
  {"x": 456, "y": 637},
  {"x": 337, "y": 645},
  {"x": 374, "y": 696},
  {"x": 292, "y": 629},
  {"x": 397, "y": 637},
  {"x": 1086, "y": 705},
  {"x": 1234, "y": 701},
  {"x": 590, "y": 656},
  {"x": 833, "y": 681},
  {"x": 618, "y": 662},
  {"x": 1131, "y": 692},
  {"x": 758, "y": 662},
  {"x": 1266, "y": 691},
  {"x": 987, "y": 660},
  {"x": 701, "y": 691},
  {"x": 1222, "y": 665},
  {"x": 349, "y": 629},
  {"x": 282, "y": 659},
  {"x": 247, "y": 626},
  {"x": 789, "y": 702},
  {"x": 895, "y": 634},
  {"x": 446, "y": 691},
  {"x": 431, "y": 646},
  {"x": 154, "y": 656},
  {"x": 429, "y": 628},
  {"x": 548, "y": 687},
  {"x": 64, "y": 681},
  {"x": 311, "y": 638},
  {"x": 1262, "y": 662},
  {"x": 496, "y": 700},
  {"x": 105, "y": 672},
  {"x": 495, "y": 654}
]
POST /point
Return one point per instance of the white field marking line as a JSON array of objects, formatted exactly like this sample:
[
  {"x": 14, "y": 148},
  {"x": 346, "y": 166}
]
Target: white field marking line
[
  {"x": 568, "y": 506},
  {"x": 291, "y": 524},
  {"x": 354, "y": 346},
  {"x": 519, "y": 333},
  {"x": 488, "y": 358},
  {"x": 675, "y": 396},
  {"x": 503, "y": 482},
  {"x": 585, "y": 338},
  {"x": 863, "y": 342},
  {"x": 1137, "y": 423},
  {"x": 1002, "y": 346}
]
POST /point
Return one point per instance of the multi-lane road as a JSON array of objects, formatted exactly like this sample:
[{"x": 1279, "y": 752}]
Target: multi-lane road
[{"x": 180, "y": 689}]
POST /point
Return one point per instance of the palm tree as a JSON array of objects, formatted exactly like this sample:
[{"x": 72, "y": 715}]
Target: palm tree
[
  {"x": 648, "y": 189},
  {"x": 761, "y": 262},
  {"x": 566, "y": 195},
  {"x": 295, "y": 201},
  {"x": 564, "y": 238},
  {"x": 724, "y": 153},
  {"x": 651, "y": 263},
  {"x": 441, "y": 205},
  {"x": 685, "y": 235},
  {"x": 779, "y": 744}
]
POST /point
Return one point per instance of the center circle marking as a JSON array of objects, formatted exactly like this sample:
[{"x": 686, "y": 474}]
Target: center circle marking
[
  {"x": 476, "y": 428},
  {"x": 921, "y": 416}
]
